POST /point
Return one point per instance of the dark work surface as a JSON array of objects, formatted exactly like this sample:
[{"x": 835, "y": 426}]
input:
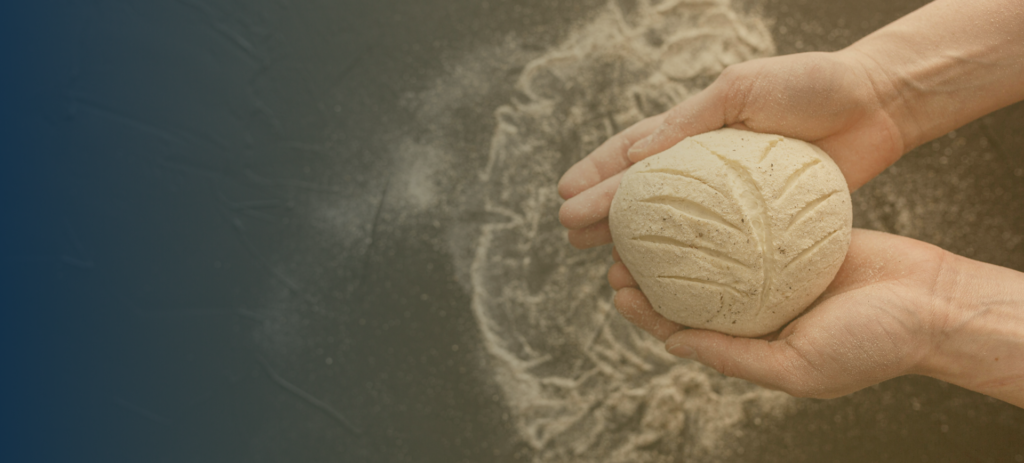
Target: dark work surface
[{"x": 201, "y": 223}]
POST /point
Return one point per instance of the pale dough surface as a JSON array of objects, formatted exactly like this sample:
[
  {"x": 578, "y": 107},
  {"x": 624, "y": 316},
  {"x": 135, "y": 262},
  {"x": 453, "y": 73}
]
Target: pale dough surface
[{"x": 733, "y": 231}]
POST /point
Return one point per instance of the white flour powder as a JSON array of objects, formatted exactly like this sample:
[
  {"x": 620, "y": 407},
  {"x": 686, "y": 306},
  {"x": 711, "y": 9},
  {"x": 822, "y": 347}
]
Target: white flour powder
[{"x": 581, "y": 382}]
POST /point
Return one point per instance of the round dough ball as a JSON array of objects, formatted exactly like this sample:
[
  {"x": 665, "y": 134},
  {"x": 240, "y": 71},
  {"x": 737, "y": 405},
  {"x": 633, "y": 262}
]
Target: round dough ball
[{"x": 733, "y": 231}]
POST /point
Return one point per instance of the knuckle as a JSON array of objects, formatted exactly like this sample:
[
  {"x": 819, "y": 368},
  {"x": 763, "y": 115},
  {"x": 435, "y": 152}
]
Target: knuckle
[
  {"x": 736, "y": 84},
  {"x": 730, "y": 73},
  {"x": 735, "y": 74}
]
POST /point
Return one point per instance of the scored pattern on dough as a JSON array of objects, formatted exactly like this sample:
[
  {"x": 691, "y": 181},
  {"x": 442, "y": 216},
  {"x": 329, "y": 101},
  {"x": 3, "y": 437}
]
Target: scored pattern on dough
[
  {"x": 692, "y": 209},
  {"x": 680, "y": 173},
  {"x": 810, "y": 249},
  {"x": 810, "y": 207},
  {"x": 772, "y": 214},
  {"x": 757, "y": 211},
  {"x": 768, "y": 149},
  {"x": 795, "y": 177},
  {"x": 656, "y": 239},
  {"x": 703, "y": 282}
]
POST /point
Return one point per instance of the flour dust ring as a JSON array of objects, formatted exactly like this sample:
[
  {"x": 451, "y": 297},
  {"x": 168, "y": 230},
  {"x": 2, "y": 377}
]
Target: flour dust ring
[{"x": 582, "y": 384}]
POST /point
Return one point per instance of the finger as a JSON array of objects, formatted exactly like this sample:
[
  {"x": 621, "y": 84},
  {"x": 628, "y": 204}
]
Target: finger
[
  {"x": 615, "y": 255},
  {"x": 594, "y": 235},
  {"x": 633, "y": 305},
  {"x": 773, "y": 364},
  {"x": 619, "y": 277},
  {"x": 590, "y": 206},
  {"x": 700, "y": 113},
  {"x": 607, "y": 160}
]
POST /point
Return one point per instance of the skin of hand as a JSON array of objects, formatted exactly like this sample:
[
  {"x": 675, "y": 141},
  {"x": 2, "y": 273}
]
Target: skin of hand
[
  {"x": 946, "y": 64},
  {"x": 824, "y": 98},
  {"x": 897, "y": 306},
  {"x": 930, "y": 72},
  {"x": 920, "y": 77}
]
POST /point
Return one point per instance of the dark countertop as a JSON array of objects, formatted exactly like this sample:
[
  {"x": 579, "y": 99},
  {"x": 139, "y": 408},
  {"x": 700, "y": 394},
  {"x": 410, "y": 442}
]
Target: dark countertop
[{"x": 244, "y": 232}]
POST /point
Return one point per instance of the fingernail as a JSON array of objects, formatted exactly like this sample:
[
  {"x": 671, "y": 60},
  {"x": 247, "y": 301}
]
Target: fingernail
[
  {"x": 682, "y": 351},
  {"x": 639, "y": 146}
]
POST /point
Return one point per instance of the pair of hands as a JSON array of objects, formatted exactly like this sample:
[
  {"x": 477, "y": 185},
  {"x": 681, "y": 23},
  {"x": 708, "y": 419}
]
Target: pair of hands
[{"x": 878, "y": 318}]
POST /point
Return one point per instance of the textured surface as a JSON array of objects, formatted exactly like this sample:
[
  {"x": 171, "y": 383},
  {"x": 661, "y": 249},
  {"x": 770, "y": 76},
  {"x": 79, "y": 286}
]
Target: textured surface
[
  {"x": 582, "y": 384},
  {"x": 733, "y": 231},
  {"x": 212, "y": 181}
]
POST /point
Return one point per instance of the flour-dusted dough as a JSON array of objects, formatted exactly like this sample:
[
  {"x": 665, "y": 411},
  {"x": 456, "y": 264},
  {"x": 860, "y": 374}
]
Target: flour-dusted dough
[{"x": 733, "y": 231}]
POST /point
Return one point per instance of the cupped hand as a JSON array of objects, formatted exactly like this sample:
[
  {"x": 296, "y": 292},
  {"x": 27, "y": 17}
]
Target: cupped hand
[
  {"x": 874, "y": 322},
  {"x": 828, "y": 99}
]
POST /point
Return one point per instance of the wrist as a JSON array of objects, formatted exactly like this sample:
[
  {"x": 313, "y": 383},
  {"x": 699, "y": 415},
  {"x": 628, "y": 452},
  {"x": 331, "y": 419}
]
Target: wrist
[
  {"x": 932, "y": 74},
  {"x": 890, "y": 94},
  {"x": 977, "y": 329}
]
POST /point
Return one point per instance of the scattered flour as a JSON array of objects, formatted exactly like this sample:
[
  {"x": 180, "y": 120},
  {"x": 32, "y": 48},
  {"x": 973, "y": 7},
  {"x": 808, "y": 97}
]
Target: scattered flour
[{"x": 581, "y": 383}]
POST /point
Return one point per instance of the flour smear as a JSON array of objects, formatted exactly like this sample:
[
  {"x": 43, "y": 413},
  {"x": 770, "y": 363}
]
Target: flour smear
[{"x": 581, "y": 383}]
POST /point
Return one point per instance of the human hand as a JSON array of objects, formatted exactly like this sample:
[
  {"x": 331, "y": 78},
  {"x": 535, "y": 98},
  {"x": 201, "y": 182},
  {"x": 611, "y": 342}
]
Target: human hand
[
  {"x": 870, "y": 325},
  {"x": 825, "y": 98},
  {"x": 907, "y": 83},
  {"x": 896, "y": 307}
]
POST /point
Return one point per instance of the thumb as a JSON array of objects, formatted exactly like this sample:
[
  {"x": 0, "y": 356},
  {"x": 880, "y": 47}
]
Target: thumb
[
  {"x": 772, "y": 364},
  {"x": 703, "y": 112}
]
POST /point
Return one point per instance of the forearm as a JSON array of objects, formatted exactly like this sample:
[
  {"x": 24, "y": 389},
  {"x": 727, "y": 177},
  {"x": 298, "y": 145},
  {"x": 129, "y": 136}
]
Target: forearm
[
  {"x": 978, "y": 327},
  {"x": 946, "y": 64}
]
